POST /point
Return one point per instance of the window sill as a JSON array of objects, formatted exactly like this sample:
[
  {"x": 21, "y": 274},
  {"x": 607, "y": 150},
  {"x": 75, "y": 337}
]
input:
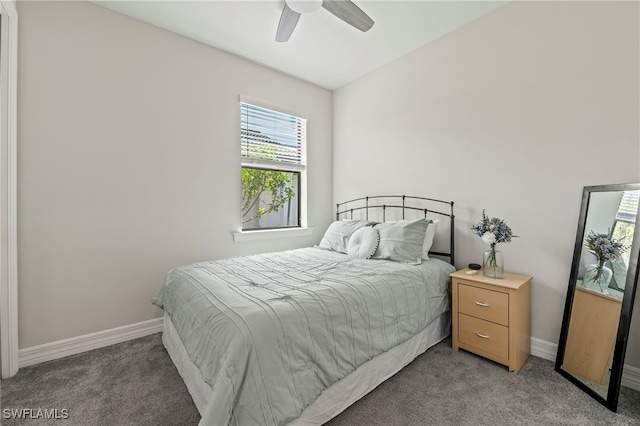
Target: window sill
[{"x": 266, "y": 234}]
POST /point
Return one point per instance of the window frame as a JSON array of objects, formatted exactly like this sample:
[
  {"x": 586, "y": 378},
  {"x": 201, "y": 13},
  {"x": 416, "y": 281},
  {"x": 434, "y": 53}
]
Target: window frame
[
  {"x": 297, "y": 199},
  {"x": 299, "y": 168}
]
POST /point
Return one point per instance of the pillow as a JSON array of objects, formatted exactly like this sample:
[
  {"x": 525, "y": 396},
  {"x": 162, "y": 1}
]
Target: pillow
[
  {"x": 337, "y": 235},
  {"x": 586, "y": 258},
  {"x": 401, "y": 241},
  {"x": 619, "y": 269},
  {"x": 428, "y": 238},
  {"x": 363, "y": 243}
]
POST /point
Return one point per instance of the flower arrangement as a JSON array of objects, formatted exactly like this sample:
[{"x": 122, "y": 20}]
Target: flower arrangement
[
  {"x": 604, "y": 247},
  {"x": 492, "y": 231}
]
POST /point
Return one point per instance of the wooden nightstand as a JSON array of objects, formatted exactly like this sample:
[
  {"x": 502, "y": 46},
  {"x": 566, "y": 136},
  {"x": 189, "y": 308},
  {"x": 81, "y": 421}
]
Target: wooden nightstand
[{"x": 492, "y": 317}]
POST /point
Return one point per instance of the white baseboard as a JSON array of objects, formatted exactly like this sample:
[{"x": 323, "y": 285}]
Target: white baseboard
[
  {"x": 547, "y": 350},
  {"x": 75, "y": 345},
  {"x": 631, "y": 377},
  {"x": 543, "y": 349}
]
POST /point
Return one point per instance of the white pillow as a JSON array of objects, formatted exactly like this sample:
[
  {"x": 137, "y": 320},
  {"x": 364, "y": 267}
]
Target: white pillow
[
  {"x": 428, "y": 238},
  {"x": 337, "y": 235},
  {"x": 401, "y": 241},
  {"x": 363, "y": 243}
]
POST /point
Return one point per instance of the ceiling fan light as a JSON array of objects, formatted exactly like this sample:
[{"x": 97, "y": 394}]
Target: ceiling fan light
[{"x": 304, "y": 6}]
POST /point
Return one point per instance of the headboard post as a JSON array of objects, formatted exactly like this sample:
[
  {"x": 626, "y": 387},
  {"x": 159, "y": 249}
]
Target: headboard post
[
  {"x": 453, "y": 240},
  {"x": 366, "y": 203}
]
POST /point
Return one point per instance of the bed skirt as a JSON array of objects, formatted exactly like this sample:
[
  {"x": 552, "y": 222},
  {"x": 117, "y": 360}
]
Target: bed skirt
[{"x": 336, "y": 398}]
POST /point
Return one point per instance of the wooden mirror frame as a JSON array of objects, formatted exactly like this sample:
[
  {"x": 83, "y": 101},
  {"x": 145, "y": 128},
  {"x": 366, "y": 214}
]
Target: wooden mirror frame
[{"x": 611, "y": 402}]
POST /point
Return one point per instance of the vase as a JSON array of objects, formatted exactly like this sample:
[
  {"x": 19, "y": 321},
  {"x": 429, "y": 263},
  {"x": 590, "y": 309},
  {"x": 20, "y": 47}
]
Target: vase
[
  {"x": 597, "y": 277},
  {"x": 493, "y": 263}
]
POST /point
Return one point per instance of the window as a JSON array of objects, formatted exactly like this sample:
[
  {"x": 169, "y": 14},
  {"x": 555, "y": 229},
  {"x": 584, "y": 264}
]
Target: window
[
  {"x": 624, "y": 224},
  {"x": 273, "y": 167}
]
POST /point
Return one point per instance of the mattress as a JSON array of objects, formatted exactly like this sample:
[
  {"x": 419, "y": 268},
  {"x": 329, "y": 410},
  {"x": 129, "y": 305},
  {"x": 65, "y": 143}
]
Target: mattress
[{"x": 269, "y": 334}]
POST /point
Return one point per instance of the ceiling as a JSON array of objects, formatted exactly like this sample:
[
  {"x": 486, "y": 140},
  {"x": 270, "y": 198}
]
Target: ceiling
[{"x": 323, "y": 49}]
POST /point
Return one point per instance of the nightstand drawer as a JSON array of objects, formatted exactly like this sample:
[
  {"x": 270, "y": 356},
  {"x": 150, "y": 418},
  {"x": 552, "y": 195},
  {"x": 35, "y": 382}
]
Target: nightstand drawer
[
  {"x": 484, "y": 335},
  {"x": 485, "y": 304}
]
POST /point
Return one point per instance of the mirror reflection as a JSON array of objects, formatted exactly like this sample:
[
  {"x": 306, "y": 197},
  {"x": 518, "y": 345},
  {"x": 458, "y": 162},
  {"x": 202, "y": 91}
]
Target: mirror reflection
[
  {"x": 609, "y": 228},
  {"x": 600, "y": 282}
]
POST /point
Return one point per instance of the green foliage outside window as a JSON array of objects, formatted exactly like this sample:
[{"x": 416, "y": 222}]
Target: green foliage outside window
[
  {"x": 270, "y": 190},
  {"x": 623, "y": 232},
  {"x": 267, "y": 189}
]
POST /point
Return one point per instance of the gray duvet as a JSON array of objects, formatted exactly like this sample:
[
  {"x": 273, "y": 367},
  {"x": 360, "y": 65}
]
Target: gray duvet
[{"x": 270, "y": 332}]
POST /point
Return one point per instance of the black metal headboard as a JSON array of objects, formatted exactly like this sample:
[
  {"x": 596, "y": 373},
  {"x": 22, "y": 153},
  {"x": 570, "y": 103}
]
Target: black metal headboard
[{"x": 382, "y": 203}]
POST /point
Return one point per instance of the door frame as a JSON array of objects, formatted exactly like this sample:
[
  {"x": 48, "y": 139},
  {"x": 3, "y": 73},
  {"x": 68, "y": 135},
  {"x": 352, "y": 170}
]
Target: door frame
[{"x": 8, "y": 189}]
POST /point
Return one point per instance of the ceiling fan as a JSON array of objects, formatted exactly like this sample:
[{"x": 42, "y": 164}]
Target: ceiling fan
[{"x": 343, "y": 9}]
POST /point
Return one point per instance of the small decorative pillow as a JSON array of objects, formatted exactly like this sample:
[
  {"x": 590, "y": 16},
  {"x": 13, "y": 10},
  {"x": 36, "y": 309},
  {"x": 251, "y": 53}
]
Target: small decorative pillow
[
  {"x": 428, "y": 238},
  {"x": 337, "y": 235},
  {"x": 363, "y": 243}
]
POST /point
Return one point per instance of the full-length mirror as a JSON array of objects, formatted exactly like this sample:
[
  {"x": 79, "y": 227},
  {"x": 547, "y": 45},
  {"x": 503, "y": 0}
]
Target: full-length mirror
[{"x": 602, "y": 285}]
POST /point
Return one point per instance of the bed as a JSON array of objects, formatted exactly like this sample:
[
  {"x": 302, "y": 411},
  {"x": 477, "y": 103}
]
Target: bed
[{"x": 295, "y": 337}]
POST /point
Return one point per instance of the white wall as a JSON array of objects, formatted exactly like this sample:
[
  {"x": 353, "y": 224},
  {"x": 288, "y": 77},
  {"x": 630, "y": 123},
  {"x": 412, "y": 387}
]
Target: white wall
[
  {"x": 129, "y": 163},
  {"x": 514, "y": 113}
]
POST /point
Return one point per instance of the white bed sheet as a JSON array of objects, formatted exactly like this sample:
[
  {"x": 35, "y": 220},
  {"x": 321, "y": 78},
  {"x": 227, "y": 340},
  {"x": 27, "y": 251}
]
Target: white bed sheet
[{"x": 336, "y": 398}]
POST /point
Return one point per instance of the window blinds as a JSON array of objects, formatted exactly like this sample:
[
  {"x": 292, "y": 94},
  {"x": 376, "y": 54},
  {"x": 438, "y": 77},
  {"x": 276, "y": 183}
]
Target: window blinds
[
  {"x": 271, "y": 139},
  {"x": 628, "y": 207}
]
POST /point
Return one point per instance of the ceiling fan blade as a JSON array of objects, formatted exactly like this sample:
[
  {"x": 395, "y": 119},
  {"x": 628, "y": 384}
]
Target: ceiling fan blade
[
  {"x": 288, "y": 22},
  {"x": 349, "y": 13}
]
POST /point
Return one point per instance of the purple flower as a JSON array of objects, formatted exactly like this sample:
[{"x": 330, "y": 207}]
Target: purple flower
[{"x": 493, "y": 230}]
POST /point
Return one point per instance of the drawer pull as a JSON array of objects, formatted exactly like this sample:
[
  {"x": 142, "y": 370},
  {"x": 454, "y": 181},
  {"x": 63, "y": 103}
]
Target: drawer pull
[
  {"x": 484, "y": 336},
  {"x": 485, "y": 305}
]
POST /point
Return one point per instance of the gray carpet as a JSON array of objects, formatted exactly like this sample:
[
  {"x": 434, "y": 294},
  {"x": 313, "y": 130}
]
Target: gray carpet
[{"x": 135, "y": 383}]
